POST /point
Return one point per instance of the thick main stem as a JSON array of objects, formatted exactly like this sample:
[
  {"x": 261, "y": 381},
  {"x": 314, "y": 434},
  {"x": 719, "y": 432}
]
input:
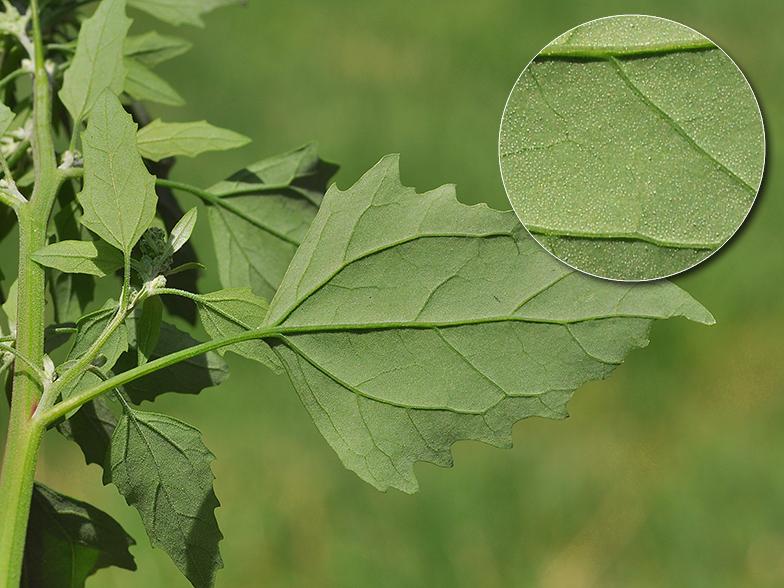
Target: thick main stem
[{"x": 24, "y": 433}]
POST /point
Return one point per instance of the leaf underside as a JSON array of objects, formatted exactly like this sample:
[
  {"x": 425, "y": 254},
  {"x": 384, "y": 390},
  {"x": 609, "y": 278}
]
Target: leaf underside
[
  {"x": 268, "y": 209},
  {"x": 161, "y": 467},
  {"x": 179, "y": 12},
  {"x": 407, "y": 322},
  {"x": 69, "y": 540},
  {"x": 158, "y": 139},
  {"x": 632, "y": 147}
]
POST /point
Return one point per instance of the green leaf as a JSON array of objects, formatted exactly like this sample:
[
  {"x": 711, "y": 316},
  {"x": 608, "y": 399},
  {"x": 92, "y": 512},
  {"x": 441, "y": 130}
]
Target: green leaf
[
  {"x": 632, "y": 147},
  {"x": 230, "y": 312},
  {"x": 161, "y": 467},
  {"x": 91, "y": 428},
  {"x": 98, "y": 62},
  {"x": 96, "y": 258},
  {"x": 185, "y": 377},
  {"x": 143, "y": 84},
  {"x": 118, "y": 197},
  {"x": 179, "y": 12},
  {"x": 408, "y": 322},
  {"x": 71, "y": 293},
  {"x": 90, "y": 327},
  {"x": 182, "y": 231},
  {"x": 6, "y": 117},
  {"x": 148, "y": 328},
  {"x": 69, "y": 540},
  {"x": 262, "y": 216},
  {"x": 151, "y": 48},
  {"x": 158, "y": 140}
]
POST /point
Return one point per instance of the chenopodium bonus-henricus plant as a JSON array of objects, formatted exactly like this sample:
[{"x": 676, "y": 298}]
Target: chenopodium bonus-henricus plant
[{"x": 405, "y": 321}]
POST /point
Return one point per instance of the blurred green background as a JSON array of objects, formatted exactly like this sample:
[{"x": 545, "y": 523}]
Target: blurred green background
[{"x": 670, "y": 473}]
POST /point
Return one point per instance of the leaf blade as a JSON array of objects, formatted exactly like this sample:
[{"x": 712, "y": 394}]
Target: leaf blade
[
  {"x": 115, "y": 179},
  {"x": 98, "y": 58},
  {"x": 96, "y": 258},
  {"x": 159, "y": 140},
  {"x": 401, "y": 314},
  {"x": 162, "y": 468}
]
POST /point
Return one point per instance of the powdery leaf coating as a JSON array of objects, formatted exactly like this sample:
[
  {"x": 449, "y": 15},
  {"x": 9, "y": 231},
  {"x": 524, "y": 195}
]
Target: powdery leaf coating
[
  {"x": 407, "y": 322},
  {"x": 161, "y": 467},
  {"x": 633, "y": 147},
  {"x": 158, "y": 139},
  {"x": 264, "y": 212},
  {"x": 98, "y": 61},
  {"x": 118, "y": 197}
]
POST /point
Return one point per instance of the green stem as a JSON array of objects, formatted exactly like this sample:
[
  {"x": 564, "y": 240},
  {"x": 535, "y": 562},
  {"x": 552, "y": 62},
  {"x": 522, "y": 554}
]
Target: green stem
[
  {"x": 226, "y": 204},
  {"x": 66, "y": 406},
  {"x": 12, "y": 76},
  {"x": 25, "y": 432},
  {"x": 34, "y": 368}
]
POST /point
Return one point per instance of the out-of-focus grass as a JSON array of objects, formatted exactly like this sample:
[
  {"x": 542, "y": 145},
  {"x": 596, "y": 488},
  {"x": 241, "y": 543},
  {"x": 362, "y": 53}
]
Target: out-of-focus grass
[{"x": 670, "y": 473}]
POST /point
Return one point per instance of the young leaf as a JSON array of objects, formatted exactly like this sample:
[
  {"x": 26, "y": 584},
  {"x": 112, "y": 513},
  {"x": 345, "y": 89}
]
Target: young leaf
[
  {"x": 98, "y": 62},
  {"x": 234, "y": 311},
  {"x": 158, "y": 140},
  {"x": 161, "y": 467},
  {"x": 408, "y": 322},
  {"x": 186, "y": 377},
  {"x": 148, "y": 328},
  {"x": 96, "y": 258},
  {"x": 118, "y": 197},
  {"x": 262, "y": 216},
  {"x": 182, "y": 230},
  {"x": 633, "y": 146},
  {"x": 177, "y": 12},
  {"x": 91, "y": 428},
  {"x": 69, "y": 540},
  {"x": 151, "y": 48},
  {"x": 143, "y": 84}
]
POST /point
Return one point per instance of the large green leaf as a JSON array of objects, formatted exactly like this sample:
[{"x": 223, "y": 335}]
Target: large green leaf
[
  {"x": 118, "y": 197},
  {"x": 408, "y": 322},
  {"x": 69, "y": 540},
  {"x": 262, "y": 215},
  {"x": 632, "y": 147},
  {"x": 185, "y": 377},
  {"x": 177, "y": 12},
  {"x": 161, "y": 467},
  {"x": 159, "y": 139},
  {"x": 98, "y": 62}
]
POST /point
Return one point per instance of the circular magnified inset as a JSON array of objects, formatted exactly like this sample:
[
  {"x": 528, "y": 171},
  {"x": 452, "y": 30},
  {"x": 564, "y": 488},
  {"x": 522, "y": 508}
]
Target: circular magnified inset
[{"x": 632, "y": 147}]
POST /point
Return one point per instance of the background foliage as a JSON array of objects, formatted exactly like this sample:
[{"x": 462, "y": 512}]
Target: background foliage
[{"x": 669, "y": 473}]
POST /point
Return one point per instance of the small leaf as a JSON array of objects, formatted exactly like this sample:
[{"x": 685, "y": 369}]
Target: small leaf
[
  {"x": 118, "y": 197},
  {"x": 179, "y": 12},
  {"x": 148, "y": 328},
  {"x": 98, "y": 62},
  {"x": 158, "y": 140},
  {"x": 230, "y": 312},
  {"x": 263, "y": 214},
  {"x": 91, "y": 428},
  {"x": 161, "y": 467},
  {"x": 96, "y": 258},
  {"x": 151, "y": 48},
  {"x": 6, "y": 118},
  {"x": 182, "y": 230},
  {"x": 69, "y": 540},
  {"x": 143, "y": 84},
  {"x": 185, "y": 377},
  {"x": 410, "y": 321}
]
